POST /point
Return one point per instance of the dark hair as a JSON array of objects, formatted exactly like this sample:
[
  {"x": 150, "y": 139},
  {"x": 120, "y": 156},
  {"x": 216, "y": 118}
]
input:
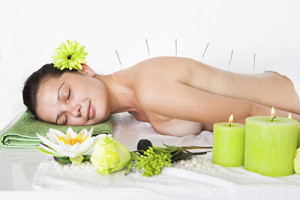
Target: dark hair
[{"x": 32, "y": 84}]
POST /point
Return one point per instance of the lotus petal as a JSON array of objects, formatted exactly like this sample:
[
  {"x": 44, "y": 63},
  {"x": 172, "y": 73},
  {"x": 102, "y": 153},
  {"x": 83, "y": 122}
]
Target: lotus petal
[{"x": 48, "y": 142}]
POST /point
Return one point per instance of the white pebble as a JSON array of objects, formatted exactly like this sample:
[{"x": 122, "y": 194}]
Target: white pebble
[
  {"x": 186, "y": 165},
  {"x": 89, "y": 164},
  {"x": 58, "y": 167},
  {"x": 199, "y": 165},
  {"x": 76, "y": 167},
  {"x": 191, "y": 165},
  {"x": 66, "y": 167},
  {"x": 82, "y": 166}
]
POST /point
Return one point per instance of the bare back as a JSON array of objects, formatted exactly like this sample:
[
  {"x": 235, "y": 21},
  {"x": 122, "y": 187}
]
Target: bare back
[{"x": 269, "y": 89}]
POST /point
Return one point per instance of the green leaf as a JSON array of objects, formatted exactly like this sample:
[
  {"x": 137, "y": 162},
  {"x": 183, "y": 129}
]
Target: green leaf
[
  {"x": 134, "y": 156},
  {"x": 63, "y": 160},
  {"x": 159, "y": 150},
  {"x": 86, "y": 158},
  {"x": 129, "y": 166},
  {"x": 195, "y": 147},
  {"x": 171, "y": 148}
]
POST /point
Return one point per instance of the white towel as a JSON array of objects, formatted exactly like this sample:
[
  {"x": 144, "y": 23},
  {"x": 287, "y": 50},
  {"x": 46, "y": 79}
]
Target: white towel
[
  {"x": 173, "y": 183},
  {"x": 291, "y": 72},
  {"x": 129, "y": 131}
]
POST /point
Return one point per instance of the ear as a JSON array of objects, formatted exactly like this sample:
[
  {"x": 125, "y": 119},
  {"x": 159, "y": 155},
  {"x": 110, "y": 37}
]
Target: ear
[{"x": 86, "y": 70}]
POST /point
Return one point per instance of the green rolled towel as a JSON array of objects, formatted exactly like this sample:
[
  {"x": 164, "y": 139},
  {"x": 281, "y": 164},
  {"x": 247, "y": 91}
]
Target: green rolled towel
[{"x": 22, "y": 134}]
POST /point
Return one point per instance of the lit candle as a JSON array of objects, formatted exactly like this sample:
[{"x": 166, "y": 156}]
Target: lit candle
[
  {"x": 228, "y": 143},
  {"x": 270, "y": 145},
  {"x": 298, "y": 136}
]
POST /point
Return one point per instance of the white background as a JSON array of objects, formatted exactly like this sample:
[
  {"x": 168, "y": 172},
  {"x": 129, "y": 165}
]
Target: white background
[{"x": 30, "y": 31}]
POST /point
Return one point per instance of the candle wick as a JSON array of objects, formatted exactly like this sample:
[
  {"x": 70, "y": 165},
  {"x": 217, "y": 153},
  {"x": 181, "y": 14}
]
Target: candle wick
[
  {"x": 230, "y": 125},
  {"x": 273, "y": 119}
]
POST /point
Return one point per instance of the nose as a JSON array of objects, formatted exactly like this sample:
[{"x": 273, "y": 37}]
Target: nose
[{"x": 76, "y": 110}]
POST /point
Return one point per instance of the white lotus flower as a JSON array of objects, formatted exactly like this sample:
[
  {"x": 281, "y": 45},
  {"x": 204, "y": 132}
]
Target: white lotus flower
[{"x": 71, "y": 145}]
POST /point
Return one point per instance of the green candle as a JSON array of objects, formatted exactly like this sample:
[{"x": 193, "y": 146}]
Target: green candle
[
  {"x": 228, "y": 144},
  {"x": 298, "y": 135},
  {"x": 270, "y": 146}
]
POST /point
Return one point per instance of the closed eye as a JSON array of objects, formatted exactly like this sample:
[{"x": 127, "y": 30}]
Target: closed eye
[
  {"x": 66, "y": 120},
  {"x": 69, "y": 94}
]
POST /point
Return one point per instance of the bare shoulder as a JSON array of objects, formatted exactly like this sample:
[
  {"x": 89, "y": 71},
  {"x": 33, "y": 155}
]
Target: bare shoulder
[
  {"x": 168, "y": 65},
  {"x": 157, "y": 70},
  {"x": 166, "y": 59},
  {"x": 155, "y": 77}
]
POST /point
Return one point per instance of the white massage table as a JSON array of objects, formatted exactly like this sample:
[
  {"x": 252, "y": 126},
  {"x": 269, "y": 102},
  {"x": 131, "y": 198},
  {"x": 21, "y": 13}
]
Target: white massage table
[{"x": 176, "y": 182}]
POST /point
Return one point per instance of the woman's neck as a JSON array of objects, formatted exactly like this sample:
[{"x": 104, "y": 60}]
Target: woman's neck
[{"x": 121, "y": 95}]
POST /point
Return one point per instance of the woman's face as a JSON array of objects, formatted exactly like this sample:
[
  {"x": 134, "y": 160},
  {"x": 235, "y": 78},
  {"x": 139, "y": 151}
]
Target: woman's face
[{"x": 72, "y": 99}]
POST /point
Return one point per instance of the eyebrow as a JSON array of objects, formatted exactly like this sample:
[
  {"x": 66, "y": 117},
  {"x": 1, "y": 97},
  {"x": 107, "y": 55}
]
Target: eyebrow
[
  {"x": 58, "y": 98},
  {"x": 59, "y": 90}
]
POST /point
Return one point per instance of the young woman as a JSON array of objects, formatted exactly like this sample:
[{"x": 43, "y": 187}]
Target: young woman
[{"x": 178, "y": 96}]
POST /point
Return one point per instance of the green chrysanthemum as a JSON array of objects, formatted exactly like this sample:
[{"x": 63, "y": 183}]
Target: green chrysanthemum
[{"x": 69, "y": 55}]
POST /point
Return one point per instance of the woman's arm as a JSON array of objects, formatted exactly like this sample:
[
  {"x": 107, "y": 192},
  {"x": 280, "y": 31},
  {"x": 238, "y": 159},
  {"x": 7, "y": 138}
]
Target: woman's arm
[
  {"x": 181, "y": 101},
  {"x": 261, "y": 110}
]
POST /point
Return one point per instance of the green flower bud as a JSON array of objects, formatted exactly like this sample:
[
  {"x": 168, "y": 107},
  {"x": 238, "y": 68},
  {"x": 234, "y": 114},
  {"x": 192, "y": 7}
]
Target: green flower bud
[
  {"x": 110, "y": 155},
  {"x": 297, "y": 161}
]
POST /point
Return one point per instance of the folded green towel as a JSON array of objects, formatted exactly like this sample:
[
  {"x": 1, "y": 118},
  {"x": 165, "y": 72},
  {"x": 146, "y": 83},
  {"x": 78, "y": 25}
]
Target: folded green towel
[{"x": 22, "y": 134}]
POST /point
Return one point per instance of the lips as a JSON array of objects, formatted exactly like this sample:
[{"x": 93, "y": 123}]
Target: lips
[{"x": 90, "y": 112}]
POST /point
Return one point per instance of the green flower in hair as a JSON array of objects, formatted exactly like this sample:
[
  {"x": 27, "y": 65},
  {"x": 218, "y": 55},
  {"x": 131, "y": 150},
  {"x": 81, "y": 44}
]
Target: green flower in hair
[{"x": 69, "y": 55}]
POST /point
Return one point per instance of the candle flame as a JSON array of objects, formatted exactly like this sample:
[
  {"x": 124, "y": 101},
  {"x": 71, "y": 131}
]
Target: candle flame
[
  {"x": 231, "y": 119},
  {"x": 290, "y": 116},
  {"x": 273, "y": 112}
]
